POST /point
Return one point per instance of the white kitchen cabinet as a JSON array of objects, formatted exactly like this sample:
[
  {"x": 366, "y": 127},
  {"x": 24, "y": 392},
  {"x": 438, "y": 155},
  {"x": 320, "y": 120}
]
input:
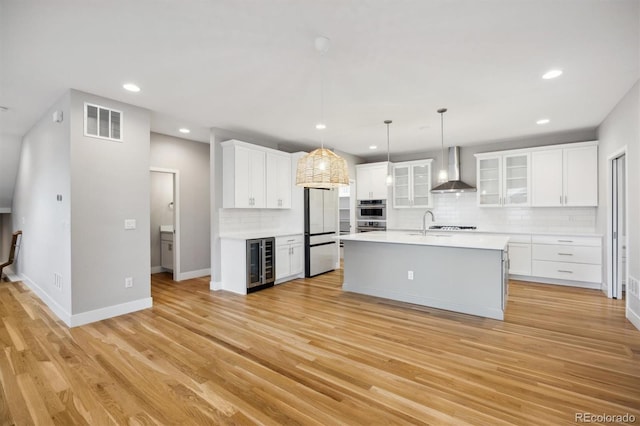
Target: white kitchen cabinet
[
  {"x": 412, "y": 184},
  {"x": 289, "y": 259},
  {"x": 166, "y": 250},
  {"x": 565, "y": 176},
  {"x": 278, "y": 180},
  {"x": 520, "y": 254},
  {"x": 503, "y": 179},
  {"x": 255, "y": 176},
  {"x": 371, "y": 181},
  {"x": 568, "y": 258}
]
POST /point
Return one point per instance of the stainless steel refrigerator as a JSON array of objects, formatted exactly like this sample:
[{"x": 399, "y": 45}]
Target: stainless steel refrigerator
[{"x": 320, "y": 217}]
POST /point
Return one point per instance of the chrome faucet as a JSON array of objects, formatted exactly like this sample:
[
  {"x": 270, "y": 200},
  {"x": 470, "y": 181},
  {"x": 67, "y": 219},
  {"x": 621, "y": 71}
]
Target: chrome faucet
[{"x": 424, "y": 221}]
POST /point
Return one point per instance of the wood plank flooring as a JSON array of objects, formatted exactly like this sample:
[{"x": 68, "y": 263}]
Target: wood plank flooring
[{"x": 306, "y": 352}]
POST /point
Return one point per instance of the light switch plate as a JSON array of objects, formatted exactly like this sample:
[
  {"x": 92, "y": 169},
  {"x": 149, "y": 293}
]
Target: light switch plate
[
  {"x": 128, "y": 282},
  {"x": 129, "y": 224}
]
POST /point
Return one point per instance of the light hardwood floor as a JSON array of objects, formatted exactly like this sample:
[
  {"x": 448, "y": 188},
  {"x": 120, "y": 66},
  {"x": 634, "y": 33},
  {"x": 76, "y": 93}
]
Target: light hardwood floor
[{"x": 305, "y": 352}]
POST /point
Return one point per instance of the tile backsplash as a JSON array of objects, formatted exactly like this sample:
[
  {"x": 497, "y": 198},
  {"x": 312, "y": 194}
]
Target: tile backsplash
[
  {"x": 462, "y": 209},
  {"x": 249, "y": 220}
]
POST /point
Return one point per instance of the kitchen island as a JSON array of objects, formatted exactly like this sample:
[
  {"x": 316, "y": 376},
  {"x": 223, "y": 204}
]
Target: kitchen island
[{"x": 457, "y": 272}]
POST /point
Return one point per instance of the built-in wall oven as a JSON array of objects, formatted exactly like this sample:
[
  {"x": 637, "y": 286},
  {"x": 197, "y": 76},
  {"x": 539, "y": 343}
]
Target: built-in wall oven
[
  {"x": 369, "y": 226},
  {"x": 261, "y": 263},
  {"x": 372, "y": 210}
]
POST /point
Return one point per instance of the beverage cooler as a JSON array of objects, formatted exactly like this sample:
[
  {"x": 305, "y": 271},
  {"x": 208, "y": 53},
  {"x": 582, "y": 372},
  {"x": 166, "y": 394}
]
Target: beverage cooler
[{"x": 261, "y": 263}]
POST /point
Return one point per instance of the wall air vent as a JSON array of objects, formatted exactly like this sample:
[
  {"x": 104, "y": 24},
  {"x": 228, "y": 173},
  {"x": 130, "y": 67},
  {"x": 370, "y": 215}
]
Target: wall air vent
[{"x": 103, "y": 123}]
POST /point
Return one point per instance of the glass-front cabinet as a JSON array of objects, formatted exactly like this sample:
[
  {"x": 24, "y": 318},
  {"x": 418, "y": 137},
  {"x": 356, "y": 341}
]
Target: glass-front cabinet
[
  {"x": 412, "y": 184},
  {"x": 504, "y": 180}
]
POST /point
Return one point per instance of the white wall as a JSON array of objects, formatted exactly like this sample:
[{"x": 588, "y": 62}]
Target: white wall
[
  {"x": 43, "y": 173},
  {"x": 191, "y": 159},
  {"x": 620, "y": 128},
  {"x": 109, "y": 183},
  {"x": 161, "y": 211}
]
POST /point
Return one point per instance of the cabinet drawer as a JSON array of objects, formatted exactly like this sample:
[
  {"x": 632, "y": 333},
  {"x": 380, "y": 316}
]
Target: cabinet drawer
[
  {"x": 289, "y": 239},
  {"x": 570, "y": 254},
  {"x": 567, "y": 271},
  {"x": 567, "y": 241}
]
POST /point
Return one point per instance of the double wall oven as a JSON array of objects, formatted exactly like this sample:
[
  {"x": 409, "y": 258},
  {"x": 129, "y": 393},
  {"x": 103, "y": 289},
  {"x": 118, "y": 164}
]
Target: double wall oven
[{"x": 371, "y": 215}]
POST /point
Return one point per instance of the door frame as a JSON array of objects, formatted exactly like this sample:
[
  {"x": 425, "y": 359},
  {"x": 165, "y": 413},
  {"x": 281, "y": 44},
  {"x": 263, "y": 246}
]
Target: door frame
[
  {"x": 611, "y": 262},
  {"x": 176, "y": 217}
]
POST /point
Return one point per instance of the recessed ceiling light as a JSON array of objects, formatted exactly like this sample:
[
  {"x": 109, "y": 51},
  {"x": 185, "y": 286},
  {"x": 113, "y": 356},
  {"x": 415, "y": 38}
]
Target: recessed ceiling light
[
  {"x": 373, "y": 146},
  {"x": 552, "y": 74},
  {"x": 184, "y": 130},
  {"x": 131, "y": 87},
  {"x": 543, "y": 121},
  {"x": 321, "y": 126}
]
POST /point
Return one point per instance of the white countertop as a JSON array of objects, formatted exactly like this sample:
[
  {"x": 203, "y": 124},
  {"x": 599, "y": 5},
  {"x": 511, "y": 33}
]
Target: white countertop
[
  {"x": 443, "y": 239},
  {"x": 505, "y": 231},
  {"x": 252, "y": 235}
]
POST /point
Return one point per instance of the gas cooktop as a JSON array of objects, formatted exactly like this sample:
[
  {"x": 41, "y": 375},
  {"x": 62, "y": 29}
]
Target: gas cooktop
[{"x": 452, "y": 227}]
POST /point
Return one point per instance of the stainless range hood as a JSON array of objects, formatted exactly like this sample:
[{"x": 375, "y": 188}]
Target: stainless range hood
[{"x": 454, "y": 184}]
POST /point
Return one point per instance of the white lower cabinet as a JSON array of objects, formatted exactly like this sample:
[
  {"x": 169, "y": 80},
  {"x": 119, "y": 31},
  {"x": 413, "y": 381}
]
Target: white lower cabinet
[
  {"x": 289, "y": 259},
  {"x": 567, "y": 258},
  {"x": 166, "y": 252},
  {"x": 520, "y": 254}
]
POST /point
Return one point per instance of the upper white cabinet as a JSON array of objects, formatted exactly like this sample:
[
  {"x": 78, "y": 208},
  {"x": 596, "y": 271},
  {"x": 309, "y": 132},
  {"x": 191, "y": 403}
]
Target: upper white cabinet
[
  {"x": 412, "y": 184},
  {"x": 503, "y": 179},
  {"x": 566, "y": 176},
  {"x": 248, "y": 170},
  {"x": 278, "y": 180},
  {"x": 371, "y": 181}
]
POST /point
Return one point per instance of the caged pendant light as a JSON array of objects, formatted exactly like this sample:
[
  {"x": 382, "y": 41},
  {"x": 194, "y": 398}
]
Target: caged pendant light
[{"x": 322, "y": 168}]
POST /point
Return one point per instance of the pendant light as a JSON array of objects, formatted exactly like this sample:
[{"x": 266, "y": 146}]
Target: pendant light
[
  {"x": 322, "y": 168},
  {"x": 389, "y": 175},
  {"x": 443, "y": 175}
]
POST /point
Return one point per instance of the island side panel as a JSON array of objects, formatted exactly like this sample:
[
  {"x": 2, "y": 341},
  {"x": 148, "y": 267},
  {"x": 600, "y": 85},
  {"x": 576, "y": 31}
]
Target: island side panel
[{"x": 456, "y": 279}]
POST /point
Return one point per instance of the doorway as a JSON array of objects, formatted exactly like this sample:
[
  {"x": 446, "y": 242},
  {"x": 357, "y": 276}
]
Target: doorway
[
  {"x": 618, "y": 225},
  {"x": 164, "y": 221}
]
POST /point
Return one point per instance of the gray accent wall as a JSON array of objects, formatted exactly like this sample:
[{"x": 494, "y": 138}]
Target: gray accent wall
[
  {"x": 468, "y": 161},
  {"x": 620, "y": 128},
  {"x": 109, "y": 183},
  {"x": 191, "y": 159},
  {"x": 43, "y": 173}
]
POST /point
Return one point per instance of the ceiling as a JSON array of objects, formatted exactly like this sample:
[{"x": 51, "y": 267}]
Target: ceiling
[{"x": 250, "y": 66}]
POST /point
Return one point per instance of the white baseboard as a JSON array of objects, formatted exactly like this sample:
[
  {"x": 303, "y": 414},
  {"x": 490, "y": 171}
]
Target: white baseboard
[
  {"x": 110, "y": 312},
  {"x": 194, "y": 274},
  {"x": 215, "y": 285},
  {"x": 55, "y": 307},
  {"x": 157, "y": 269},
  {"x": 633, "y": 317},
  {"x": 568, "y": 283}
]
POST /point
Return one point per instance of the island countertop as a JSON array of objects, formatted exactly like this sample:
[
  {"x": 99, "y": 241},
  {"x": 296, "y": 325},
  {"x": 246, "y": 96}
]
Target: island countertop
[{"x": 459, "y": 240}]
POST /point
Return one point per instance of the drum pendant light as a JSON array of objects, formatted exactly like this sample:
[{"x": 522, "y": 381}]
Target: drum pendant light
[{"x": 322, "y": 168}]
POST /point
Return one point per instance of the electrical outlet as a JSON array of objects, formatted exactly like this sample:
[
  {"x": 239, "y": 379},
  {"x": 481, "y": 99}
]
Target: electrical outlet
[
  {"x": 128, "y": 282},
  {"x": 409, "y": 275},
  {"x": 129, "y": 224},
  {"x": 57, "y": 281}
]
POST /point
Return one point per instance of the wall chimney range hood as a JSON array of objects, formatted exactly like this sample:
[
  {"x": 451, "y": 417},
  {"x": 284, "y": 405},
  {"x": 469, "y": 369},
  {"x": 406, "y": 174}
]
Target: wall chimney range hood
[{"x": 454, "y": 184}]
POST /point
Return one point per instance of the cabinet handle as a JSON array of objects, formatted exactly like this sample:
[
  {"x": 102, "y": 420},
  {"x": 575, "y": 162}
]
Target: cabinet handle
[
  {"x": 565, "y": 254},
  {"x": 170, "y": 247},
  {"x": 566, "y": 272},
  {"x": 565, "y": 241},
  {"x": 565, "y": 199},
  {"x": 561, "y": 199}
]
